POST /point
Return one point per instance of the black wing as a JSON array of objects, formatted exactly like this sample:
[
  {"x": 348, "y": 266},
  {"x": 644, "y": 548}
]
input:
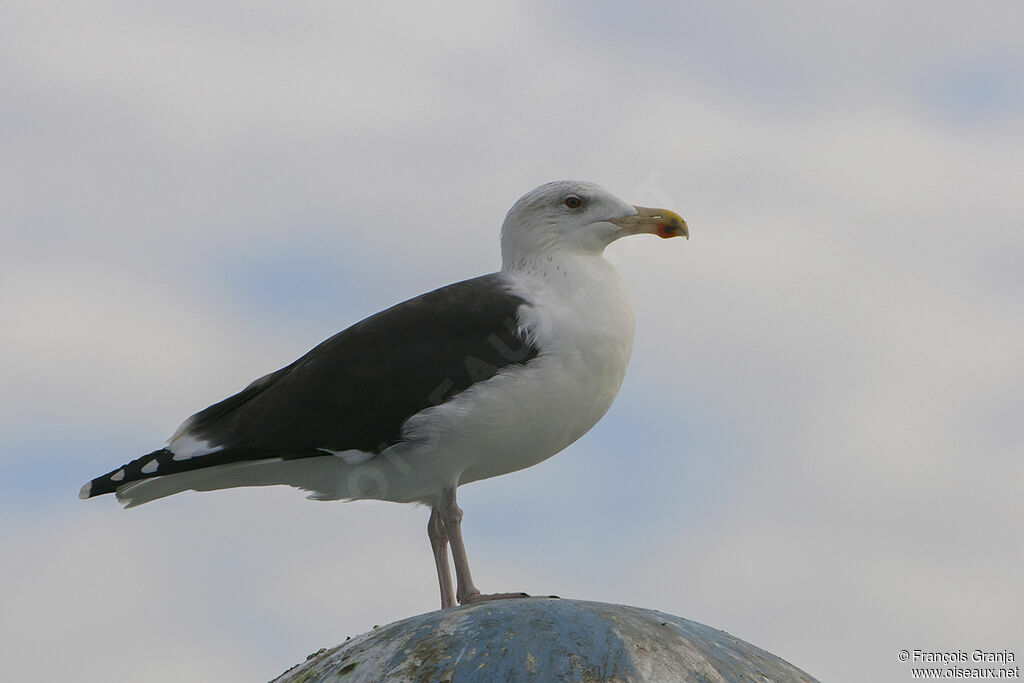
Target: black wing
[{"x": 357, "y": 389}]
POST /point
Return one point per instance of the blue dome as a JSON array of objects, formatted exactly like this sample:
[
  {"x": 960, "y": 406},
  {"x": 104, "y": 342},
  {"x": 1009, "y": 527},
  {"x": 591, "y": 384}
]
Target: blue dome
[{"x": 543, "y": 639}]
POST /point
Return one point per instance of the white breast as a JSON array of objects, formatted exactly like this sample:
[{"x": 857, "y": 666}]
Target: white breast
[{"x": 581, "y": 319}]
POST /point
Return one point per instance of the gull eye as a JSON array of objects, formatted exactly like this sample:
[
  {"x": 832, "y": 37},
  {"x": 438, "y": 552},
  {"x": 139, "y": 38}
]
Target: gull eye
[{"x": 573, "y": 202}]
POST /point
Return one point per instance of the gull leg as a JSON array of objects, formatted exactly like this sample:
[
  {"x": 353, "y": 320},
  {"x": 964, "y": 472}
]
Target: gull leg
[
  {"x": 439, "y": 544},
  {"x": 466, "y": 592}
]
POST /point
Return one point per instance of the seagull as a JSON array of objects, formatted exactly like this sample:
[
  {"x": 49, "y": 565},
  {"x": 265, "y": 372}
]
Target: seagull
[{"x": 470, "y": 381}]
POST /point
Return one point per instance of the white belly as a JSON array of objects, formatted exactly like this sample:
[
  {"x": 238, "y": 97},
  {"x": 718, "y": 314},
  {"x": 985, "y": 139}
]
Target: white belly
[{"x": 525, "y": 414}]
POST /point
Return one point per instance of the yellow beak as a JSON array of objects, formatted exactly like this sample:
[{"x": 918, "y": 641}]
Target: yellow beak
[{"x": 660, "y": 222}]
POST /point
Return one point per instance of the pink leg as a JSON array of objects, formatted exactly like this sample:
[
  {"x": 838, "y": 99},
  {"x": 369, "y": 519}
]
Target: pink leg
[
  {"x": 439, "y": 544},
  {"x": 451, "y": 518}
]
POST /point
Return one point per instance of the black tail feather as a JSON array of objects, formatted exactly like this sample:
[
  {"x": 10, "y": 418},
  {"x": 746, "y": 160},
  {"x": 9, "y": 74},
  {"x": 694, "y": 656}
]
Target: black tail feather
[{"x": 161, "y": 462}]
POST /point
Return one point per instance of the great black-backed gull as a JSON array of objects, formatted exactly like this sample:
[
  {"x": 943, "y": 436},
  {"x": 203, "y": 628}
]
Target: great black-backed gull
[{"x": 473, "y": 380}]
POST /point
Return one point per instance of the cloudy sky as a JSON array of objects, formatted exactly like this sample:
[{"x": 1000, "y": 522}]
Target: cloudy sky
[{"x": 818, "y": 447}]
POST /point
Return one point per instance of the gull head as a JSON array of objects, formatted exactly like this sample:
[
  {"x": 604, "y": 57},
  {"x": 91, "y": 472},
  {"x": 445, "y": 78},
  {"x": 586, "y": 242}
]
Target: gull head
[{"x": 578, "y": 216}]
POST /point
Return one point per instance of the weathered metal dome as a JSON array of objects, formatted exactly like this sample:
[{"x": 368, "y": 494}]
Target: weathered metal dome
[{"x": 541, "y": 639}]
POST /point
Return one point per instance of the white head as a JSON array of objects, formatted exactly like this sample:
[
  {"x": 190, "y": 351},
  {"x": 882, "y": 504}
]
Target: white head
[{"x": 572, "y": 215}]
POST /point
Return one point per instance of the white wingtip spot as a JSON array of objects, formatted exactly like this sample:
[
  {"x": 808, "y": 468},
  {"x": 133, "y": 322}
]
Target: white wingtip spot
[
  {"x": 84, "y": 492},
  {"x": 149, "y": 467},
  {"x": 117, "y": 476},
  {"x": 185, "y": 446}
]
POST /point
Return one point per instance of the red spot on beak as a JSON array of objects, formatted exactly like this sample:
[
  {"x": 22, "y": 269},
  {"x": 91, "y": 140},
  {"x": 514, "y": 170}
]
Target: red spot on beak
[{"x": 666, "y": 230}]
